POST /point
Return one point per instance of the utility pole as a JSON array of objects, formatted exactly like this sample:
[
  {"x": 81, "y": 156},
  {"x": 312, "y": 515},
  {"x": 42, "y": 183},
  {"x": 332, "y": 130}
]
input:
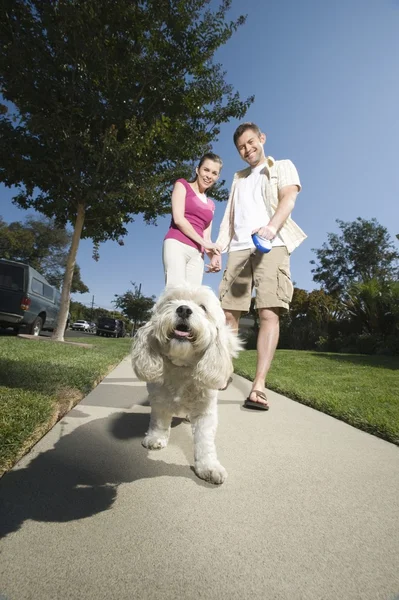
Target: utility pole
[
  {"x": 135, "y": 320},
  {"x": 91, "y": 312}
]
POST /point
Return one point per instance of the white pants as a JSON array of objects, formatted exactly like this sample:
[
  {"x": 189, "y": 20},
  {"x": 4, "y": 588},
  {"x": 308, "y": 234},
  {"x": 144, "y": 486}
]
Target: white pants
[{"x": 182, "y": 263}]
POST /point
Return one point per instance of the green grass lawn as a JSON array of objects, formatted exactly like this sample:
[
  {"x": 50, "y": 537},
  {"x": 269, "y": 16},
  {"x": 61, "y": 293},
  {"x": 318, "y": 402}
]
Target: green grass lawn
[
  {"x": 361, "y": 390},
  {"x": 41, "y": 380}
]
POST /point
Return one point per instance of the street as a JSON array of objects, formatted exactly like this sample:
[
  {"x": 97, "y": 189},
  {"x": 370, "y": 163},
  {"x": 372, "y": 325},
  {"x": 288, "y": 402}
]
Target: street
[{"x": 68, "y": 334}]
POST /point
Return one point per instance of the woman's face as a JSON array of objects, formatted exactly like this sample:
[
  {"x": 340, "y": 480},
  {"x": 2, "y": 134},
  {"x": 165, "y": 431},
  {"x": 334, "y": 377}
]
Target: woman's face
[{"x": 208, "y": 173}]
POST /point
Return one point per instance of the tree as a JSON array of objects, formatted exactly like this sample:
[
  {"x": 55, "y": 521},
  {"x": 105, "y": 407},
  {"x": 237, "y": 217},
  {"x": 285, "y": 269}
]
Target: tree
[
  {"x": 299, "y": 303},
  {"x": 374, "y": 307},
  {"x": 77, "y": 285},
  {"x": 363, "y": 251},
  {"x": 134, "y": 305},
  {"x": 309, "y": 319},
  {"x": 88, "y": 313},
  {"x": 113, "y": 100},
  {"x": 42, "y": 245}
]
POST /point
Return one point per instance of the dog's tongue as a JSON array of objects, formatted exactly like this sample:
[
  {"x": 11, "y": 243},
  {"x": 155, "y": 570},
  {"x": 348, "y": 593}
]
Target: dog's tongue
[{"x": 181, "y": 333}]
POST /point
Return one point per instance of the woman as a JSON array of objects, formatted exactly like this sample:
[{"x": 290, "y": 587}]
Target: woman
[{"x": 189, "y": 234}]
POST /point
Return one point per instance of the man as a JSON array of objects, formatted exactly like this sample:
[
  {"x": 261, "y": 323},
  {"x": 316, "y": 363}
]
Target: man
[{"x": 261, "y": 200}]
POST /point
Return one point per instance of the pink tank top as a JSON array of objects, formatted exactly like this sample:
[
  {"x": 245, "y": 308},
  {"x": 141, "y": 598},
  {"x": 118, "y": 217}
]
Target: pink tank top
[{"x": 197, "y": 213}]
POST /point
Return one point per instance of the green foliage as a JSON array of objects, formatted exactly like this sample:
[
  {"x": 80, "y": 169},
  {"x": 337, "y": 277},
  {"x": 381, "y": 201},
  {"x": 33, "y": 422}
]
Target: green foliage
[
  {"x": 365, "y": 320},
  {"x": 42, "y": 245},
  {"x": 359, "y": 269},
  {"x": 372, "y": 309},
  {"x": 109, "y": 102},
  {"x": 113, "y": 100},
  {"x": 134, "y": 305},
  {"x": 309, "y": 318},
  {"x": 88, "y": 313},
  {"x": 362, "y": 251},
  {"x": 358, "y": 308},
  {"x": 77, "y": 284}
]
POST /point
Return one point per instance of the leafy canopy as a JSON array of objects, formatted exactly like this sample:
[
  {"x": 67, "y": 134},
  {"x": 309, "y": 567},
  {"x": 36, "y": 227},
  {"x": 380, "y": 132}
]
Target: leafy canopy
[
  {"x": 361, "y": 252},
  {"x": 134, "y": 305},
  {"x": 92, "y": 313},
  {"x": 42, "y": 245},
  {"x": 109, "y": 102}
]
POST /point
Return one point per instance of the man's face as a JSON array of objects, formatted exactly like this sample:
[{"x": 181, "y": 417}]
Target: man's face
[{"x": 250, "y": 147}]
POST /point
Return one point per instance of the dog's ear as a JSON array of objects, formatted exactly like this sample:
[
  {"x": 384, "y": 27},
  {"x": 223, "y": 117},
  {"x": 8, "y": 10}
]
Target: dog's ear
[
  {"x": 216, "y": 366},
  {"x": 146, "y": 358}
]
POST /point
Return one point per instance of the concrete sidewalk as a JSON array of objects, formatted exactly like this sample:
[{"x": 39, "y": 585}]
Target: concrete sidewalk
[{"x": 310, "y": 510}]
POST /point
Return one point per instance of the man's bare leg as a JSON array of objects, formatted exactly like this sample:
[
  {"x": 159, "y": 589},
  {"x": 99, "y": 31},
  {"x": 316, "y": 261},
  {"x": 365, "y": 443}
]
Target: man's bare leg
[
  {"x": 233, "y": 318},
  {"x": 269, "y": 330}
]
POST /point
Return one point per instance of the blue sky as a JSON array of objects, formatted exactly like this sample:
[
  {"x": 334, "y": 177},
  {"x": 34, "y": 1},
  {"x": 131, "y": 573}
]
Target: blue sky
[{"x": 325, "y": 77}]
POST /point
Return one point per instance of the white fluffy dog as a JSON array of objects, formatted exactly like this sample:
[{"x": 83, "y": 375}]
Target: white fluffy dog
[{"x": 186, "y": 352}]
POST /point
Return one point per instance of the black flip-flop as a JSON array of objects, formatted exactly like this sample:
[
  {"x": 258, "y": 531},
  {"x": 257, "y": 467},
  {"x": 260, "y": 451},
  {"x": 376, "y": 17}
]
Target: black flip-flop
[{"x": 256, "y": 405}]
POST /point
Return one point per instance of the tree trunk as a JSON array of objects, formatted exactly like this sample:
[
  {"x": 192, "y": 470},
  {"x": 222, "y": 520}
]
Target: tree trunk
[{"x": 58, "y": 334}]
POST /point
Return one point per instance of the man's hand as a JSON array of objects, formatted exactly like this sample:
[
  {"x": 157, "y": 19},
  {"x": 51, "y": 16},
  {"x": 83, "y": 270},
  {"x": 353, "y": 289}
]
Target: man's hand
[
  {"x": 268, "y": 232},
  {"x": 211, "y": 247},
  {"x": 215, "y": 265}
]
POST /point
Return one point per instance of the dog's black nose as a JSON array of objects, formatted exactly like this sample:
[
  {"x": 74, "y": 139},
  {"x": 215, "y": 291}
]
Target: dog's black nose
[{"x": 184, "y": 311}]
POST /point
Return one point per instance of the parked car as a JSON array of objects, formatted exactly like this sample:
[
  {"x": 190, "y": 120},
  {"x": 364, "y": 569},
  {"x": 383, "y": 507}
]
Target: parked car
[
  {"x": 110, "y": 327},
  {"x": 81, "y": 325},
  {"x": 27, "y": 300}
]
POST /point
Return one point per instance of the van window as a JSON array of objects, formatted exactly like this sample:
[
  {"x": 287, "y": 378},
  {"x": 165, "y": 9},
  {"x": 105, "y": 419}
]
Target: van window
[
  {"x": 37, "y": 286},
  {"x": 48, "y": 291},
  {"x": 11, "y": 277},
  {"x": 106, "y": 321}
]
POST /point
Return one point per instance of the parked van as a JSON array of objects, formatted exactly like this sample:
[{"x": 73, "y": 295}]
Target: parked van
[
  {"x": 110, "y": 327},
  {"x": 27, "y": 300}
]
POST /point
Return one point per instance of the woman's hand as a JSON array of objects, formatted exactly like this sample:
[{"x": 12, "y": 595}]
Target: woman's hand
[
  {"x": 215, "y": 265},
  {"x": 211, "y": 247}
]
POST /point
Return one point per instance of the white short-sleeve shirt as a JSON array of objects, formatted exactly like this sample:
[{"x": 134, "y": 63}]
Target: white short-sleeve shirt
[{"x": 250, "y": 211}]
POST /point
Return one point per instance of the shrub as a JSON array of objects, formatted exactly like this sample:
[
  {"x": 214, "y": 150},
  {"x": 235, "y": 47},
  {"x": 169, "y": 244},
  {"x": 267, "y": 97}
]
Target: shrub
[{"x": 367, "y": 343}]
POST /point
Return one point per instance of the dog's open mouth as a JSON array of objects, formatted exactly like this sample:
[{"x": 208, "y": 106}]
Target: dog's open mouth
[{"x": 182, "y": 332}]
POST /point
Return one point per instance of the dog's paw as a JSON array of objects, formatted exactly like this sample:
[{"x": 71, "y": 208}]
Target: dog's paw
[
  {"x": 213, "y": 472},
  {"x": 154, "y": 443}
]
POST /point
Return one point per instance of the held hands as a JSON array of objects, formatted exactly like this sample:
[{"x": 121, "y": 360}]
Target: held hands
[
  {"x": 268, "y": 232},
  {"x": 210, "y": 247},
  {"x": 215, "y": 265}
]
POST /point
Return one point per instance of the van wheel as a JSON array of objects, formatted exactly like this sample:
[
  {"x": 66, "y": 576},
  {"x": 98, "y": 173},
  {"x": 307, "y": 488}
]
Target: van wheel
[{"x": 36, "y": 326}]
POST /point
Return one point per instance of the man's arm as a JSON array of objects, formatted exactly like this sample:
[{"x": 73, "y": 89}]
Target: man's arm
[
  {"x": 223, "y": 239},
  {"x": 286, "y": 202}
]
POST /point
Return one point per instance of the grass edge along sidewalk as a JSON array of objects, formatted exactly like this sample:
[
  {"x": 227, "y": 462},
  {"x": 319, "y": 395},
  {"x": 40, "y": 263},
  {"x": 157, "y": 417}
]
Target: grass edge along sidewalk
[
  {"x": 359, "y": 389},
  {"x": 41, "y": 381}
]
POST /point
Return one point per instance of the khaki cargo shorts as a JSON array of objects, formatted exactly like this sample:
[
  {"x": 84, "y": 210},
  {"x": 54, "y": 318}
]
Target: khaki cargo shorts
[{"x": 268, "y": 273}]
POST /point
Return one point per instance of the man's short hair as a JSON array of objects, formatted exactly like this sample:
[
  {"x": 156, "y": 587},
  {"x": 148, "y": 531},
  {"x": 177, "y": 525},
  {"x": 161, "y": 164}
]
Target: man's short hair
[{"x": 243, "y": 128}]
